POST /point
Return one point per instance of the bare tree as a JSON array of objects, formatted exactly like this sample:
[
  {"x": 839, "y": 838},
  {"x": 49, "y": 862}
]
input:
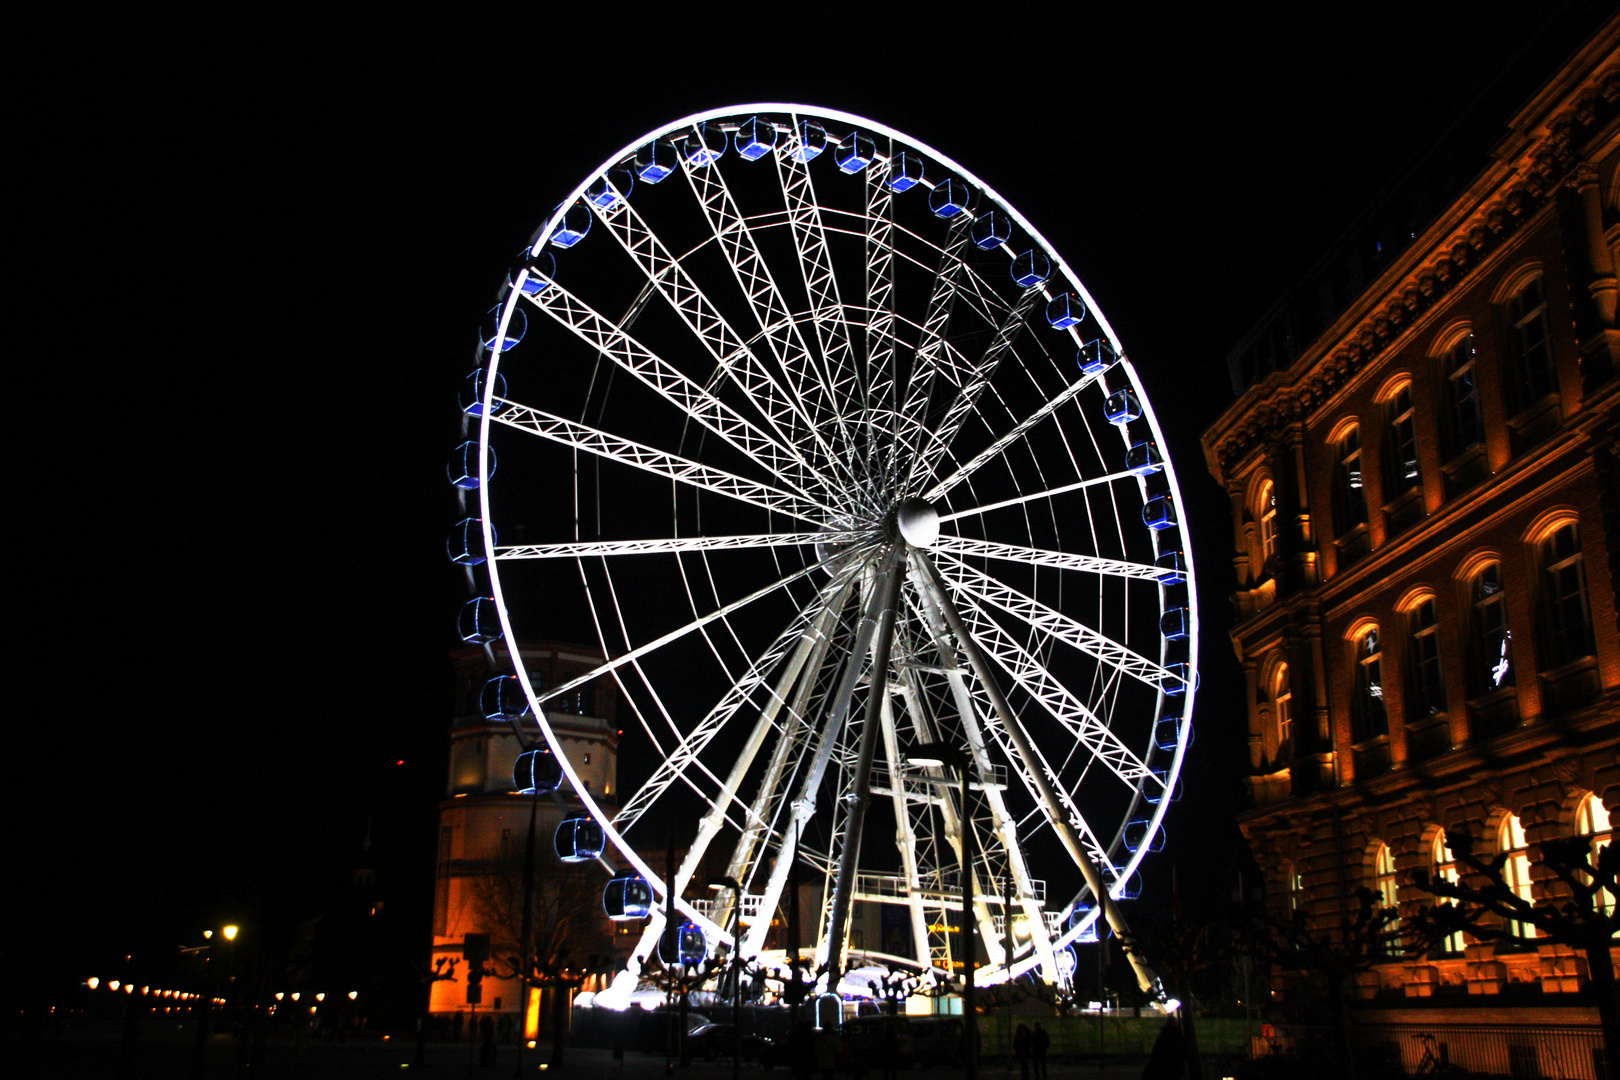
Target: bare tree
[{"x": 1488, "y": 907}]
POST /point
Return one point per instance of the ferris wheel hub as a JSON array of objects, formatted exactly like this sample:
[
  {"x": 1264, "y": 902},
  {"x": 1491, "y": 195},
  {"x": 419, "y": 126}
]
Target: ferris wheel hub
[{"x": 918, "y": 522}]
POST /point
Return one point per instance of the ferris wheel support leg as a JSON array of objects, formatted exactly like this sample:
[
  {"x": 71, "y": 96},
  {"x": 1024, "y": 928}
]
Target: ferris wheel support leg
[
  {"x": 861, "y": 797},
  {"x": 930, "y": 582}
]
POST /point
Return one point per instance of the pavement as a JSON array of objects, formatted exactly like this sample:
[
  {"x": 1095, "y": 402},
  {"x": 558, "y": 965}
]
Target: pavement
[{"x": 171, "y": 1056}]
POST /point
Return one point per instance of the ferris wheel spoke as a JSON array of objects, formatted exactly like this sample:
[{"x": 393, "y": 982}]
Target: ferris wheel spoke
[
  {"x": 602, "y": 444},
  {"x": 1056, "y": 699},
  {"x": 997, "y": 448},
  {"x": 782, "y": 332},
  {"x": 634, "y": 655},
  {"x": 967, "y": 394},
  {"x": 781, "y": 459},
  {"x": 676, "y": 544},
  {"x": 1051, "y": 621},
  {"x": 783, "y": 410},
  {"x": 933, "y": 355},
  {"x": 1047, "y": 493},
  {"x": 842, "y": 387},
  {"x": 966, "y": 547},
  {"x": 684, "y": 753},
  {"x": 880, "y": 301}
]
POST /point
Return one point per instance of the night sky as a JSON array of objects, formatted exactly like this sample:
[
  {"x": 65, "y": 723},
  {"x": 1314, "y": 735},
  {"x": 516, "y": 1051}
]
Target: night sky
[{"x": 268, "y": 245}]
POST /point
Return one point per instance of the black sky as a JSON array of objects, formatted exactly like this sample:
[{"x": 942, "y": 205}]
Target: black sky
[{"x": 269, "y": 240}]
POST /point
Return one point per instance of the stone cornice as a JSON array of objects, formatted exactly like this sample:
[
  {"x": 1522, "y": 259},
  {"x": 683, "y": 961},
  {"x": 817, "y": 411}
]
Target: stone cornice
[{"x": 1562, "y": 129}]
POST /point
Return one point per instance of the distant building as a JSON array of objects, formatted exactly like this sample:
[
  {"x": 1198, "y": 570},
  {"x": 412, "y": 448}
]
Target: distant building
[
  {"x": 484, "y": 827},
  {"x": 1425, "y": 496}
]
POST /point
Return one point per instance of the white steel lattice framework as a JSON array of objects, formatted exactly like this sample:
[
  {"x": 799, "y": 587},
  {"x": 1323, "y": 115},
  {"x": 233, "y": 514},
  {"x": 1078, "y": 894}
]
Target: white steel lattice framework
[{"x": 840, "y": 458}]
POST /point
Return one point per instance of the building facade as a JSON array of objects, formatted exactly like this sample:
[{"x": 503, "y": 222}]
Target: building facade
[
  {"x": 484, "y": 831},
  {"x": 1423, "y": 480}
]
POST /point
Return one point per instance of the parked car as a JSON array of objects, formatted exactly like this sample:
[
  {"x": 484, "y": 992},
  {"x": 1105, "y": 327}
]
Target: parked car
[{"x": 721, "y": 1040}]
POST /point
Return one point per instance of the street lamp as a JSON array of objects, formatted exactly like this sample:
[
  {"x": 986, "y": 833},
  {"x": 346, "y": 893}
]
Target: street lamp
[
  {"x": 736, "y": 969},
  {"x": 230, "y": 933},
  {"x": 945, "y": 755}
]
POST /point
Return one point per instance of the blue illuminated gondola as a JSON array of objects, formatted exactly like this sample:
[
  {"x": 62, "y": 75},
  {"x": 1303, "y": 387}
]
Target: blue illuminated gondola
[
  {"x": 1141, "y": 833},
  {"x": 537, "y": 771},
  {"x": 1031, "y": 268},
  {"x": 1159, "y": 513},
  {"x": 502, "y": 698},
  {"x": 704, "y": 146},
  {"x": 991, "y": 230},
  {"x": 479, "y": 622},
  {"x": 683, "y": 945},
  {"x": 1173, "y": 565},
  {"x": 854, "y": 153},
  {"x": 1175, "y": 623},
  {"x": 655, "y": 161},
  {"x": 905, "y": 172},
  {"x": 811, "y": 142},
  {"x": 579, "y": 838},
  {"x": 542, "y": 268},
  {"x": 1097, "y": 356},
  {"x": 755, "y": 138},
  {"x": 1065, "y": 310},
  {"x": 472, "y": 390},
  {"x": 950, "y": 198},
  {"x": 575, "y": 223},
  {"x": 1143, "y": 458},
  {"x": 466, "y": 543},
  {"x": 516, "y": 327},
  {"x": 610, "y": 189},
  {"x": 627, "y": 896},
  {"x": 1122, "y": 407},
  {"x": 463, "y": 467}
]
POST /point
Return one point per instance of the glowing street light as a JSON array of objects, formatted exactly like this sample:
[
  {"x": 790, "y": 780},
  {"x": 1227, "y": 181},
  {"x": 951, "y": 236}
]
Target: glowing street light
[{"x": 231, "y": 932}]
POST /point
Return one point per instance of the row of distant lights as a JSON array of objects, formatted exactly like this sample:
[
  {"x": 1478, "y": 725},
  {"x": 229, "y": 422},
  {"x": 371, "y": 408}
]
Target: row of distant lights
[
  {"x": 115, "y": 986},
  {"x": 94, "y": 983}
]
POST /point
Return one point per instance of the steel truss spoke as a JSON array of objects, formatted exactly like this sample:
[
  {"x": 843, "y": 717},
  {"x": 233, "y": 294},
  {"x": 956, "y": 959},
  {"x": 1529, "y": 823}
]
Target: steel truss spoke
[
  {"x": 932, "y": 356},
  {"x": 612, "y": 341},
  {"x": 842, "y": 387},
  {"x": 1049, "y": 620},
  {"x": 782, "y": 332},
  {"x": 964, "y": 547},
  {"x": 967, "y": 395},
  {"x": 880, "y": 302},
  {"x": 801, "y": 634},
  {"x": 591, "y": 440},
  {"x": 675, "y": 544},
  {"x": 659, "y": 642},
  {"x": 995, "y": 449},
  {"x": 1069, "y": 711},
  {"x": 1048, "y": 493},
  {"x": 782, "y": 409}
]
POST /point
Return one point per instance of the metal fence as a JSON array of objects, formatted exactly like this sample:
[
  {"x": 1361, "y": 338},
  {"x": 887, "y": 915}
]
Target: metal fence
[{"x": 1404, "y": 1050}]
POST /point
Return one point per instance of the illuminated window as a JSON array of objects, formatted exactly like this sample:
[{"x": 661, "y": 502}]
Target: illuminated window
[
  {"x": 1349, "y": 496},
  {"x": 1569, "y": 619},
  {"x": 1464, "y": 426},
  {"x": 1294, "y": 886},
  {"x": 1404, "y": 471},
  {"x": 1282, "y": 703},
  {"x": 1370, "y": 718},
  {"x": 1493, "y": 641},
  {"x": 1445, "y": 869},
  {"x": 1592, "y": 819},
  {"x": 1532, "y": 346},
  {"x": 1268, "y": 521},
  {"x": 1385, "y": 888},
  {"x": 1511, "y": 842},
  {"x": 1428, "y": 686}
]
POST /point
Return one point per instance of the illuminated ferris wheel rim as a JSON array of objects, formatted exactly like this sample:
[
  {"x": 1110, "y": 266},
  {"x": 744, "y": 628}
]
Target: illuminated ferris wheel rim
[{"x": 687, "y": 125}]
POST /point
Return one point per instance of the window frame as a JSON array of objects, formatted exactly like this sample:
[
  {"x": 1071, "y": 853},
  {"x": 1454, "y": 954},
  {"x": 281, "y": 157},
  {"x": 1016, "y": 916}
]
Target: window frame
[
  {"x": 1512, "y": 842},
  {"x": 1465, "y": 418},
  {"x": 1443, "y": 865},
  {"x": 1535, "y": 373},
  {"x": 1349, "y": 482},
  {"x": 1427, "y": 682},
  {"x": 1403, "y": 470},
  {"x": 1490, "y": 633},
  {"x": 1369, "y": 717},
  {"x": 1566, "y": 641}
]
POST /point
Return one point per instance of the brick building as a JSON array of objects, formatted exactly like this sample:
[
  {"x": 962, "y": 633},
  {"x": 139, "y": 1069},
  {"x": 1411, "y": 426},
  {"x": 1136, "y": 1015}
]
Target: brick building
[{"x": 1423, "y": 480}]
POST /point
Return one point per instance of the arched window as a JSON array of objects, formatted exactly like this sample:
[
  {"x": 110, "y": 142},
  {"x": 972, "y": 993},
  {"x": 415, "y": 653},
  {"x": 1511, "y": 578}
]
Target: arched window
[
  {"x": 1403, "y": 472},
  {"x": 1369, "y": 718},
  {"x": 1464, "y": 425},
  {"x": 1266, "y": 509},
  {"x": 1492, "y": 659},
  {"x": 1293, "y": 886},
  {"x": 1532, "y": 367},
  {"x": 1568, "y": 617},
  {"x": 1349, "y": 496},
  {"x": 1428, "y": 695},
  {"x": 1282, "y": 707},
  {"x": 1592, "y": 819},
  {"x": 1445, "y": 869},
  {"x": 1385, "y": 889},
  {"x": 1511, "y": 842}
]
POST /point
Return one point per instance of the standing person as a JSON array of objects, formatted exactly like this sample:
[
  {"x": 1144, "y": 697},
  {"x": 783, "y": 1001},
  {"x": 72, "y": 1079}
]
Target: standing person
[
  {"x": 1039, "y": 1043},
  {"x": 1021, "y": 1047}
]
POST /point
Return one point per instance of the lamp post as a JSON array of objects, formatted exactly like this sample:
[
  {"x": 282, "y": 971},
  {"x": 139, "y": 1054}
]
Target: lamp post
[
  {"x": 736, "y": 969},
  {"x": 945, "y": 755}
]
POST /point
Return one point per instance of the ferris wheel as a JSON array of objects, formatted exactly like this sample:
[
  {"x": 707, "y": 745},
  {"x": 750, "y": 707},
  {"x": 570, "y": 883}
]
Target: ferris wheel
[{"x": 840, "y": 460}]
